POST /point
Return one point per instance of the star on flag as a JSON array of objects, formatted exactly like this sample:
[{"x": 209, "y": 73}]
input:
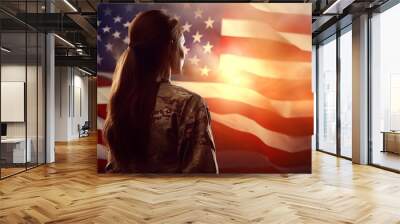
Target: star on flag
[{"x": 197, "y": 37}]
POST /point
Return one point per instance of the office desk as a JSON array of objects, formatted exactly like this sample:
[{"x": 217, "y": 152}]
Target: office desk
[
  {"x": 13, "y": 150},
  {"x": 391, "y": 141}
]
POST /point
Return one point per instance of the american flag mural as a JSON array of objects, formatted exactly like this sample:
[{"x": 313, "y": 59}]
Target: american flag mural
[{"x": 252, "y": 64}]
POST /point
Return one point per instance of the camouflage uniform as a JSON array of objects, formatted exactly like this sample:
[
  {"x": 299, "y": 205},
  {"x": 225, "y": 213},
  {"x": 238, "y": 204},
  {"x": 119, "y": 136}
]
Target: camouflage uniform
[{"x": 181, "y": 139}]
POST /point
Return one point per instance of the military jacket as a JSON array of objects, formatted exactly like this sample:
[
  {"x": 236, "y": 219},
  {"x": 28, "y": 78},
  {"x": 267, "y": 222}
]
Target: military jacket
[{"x": 181, "y": 139}]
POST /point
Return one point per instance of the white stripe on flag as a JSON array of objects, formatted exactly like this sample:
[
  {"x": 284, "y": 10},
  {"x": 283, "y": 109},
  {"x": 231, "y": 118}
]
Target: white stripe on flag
[
  {"x": 101, "y": 152},
  {"x": 230, "y": 63},
  {"x": 108, "y": 75},
  {"x": 292, "y": 8},
  {"x": 261, "y": 30},
  {"x": 302, "y": 41},
  {"x": 273, "y": 139},
  {"x": 103, "y": 95},
  {"x": 100, "y": 123}
]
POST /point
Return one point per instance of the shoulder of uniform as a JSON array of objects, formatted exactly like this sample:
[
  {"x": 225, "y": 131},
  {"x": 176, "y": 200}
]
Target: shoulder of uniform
[{"x": 179, "y": 91}]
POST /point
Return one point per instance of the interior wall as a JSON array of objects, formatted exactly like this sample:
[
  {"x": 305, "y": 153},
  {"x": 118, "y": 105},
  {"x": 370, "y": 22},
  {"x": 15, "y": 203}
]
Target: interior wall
[
  {"x": 92, "y": 98},
  {"x": 61, "y": 103},
  {"x": 81, "y": 108},
  {"x": 71, "y": 102}
]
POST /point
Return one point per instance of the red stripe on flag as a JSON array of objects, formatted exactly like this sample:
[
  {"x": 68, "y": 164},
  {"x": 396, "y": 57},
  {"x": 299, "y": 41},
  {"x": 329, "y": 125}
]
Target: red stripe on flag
[
  {"x": 227, "y": 139},
  {"x": 102, "y": 110},
  {"x": 238, "y": 162},
  {"x": 101, "y": 165},
  {"x": 103, "y": 81},
  {"x": 264, "y": 49},
  {"x": 279, "y": 89},
  {"x": 267, "y": 119},
  {"x": 252, "y": 162}
]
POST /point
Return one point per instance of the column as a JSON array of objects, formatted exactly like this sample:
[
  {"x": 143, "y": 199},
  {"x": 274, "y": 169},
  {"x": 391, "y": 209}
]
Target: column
[{"x": 360, "y": 90}]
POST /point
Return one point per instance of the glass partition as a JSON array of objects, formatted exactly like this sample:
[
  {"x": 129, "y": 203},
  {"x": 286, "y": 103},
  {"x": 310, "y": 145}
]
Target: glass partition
[
  {"x": 22, "y": 89},
  {"x": 385, "y": 89},
  {"x": 15, "y": 150},
  {"x": 327, "y": 96},
  {"x": 346, "y": 93}
]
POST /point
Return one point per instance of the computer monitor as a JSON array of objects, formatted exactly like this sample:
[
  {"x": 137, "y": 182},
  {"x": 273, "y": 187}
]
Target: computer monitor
[{"x": 3, "y": 129}]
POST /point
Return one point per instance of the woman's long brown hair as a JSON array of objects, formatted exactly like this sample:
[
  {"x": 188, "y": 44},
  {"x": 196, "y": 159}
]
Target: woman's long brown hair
[{"x": 153, "y": 45}]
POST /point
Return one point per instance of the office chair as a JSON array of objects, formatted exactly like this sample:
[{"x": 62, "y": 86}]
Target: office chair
[{"x": 84, "y": 130}]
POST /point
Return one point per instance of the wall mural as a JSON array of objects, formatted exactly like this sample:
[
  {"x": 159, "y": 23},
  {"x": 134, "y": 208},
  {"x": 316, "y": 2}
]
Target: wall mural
[{"x": 250, "y": 62}]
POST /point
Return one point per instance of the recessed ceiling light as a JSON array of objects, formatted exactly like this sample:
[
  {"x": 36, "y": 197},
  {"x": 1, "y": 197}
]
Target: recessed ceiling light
[
  {"x": 70, "y": 5},
  {"x": 332, "y": 7},
  {"x": 64, "y": 40},
  {"x": 335, "y": 7},
  {"x": 84, "y": 71},
  {"x": 5, "y": 50}
]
